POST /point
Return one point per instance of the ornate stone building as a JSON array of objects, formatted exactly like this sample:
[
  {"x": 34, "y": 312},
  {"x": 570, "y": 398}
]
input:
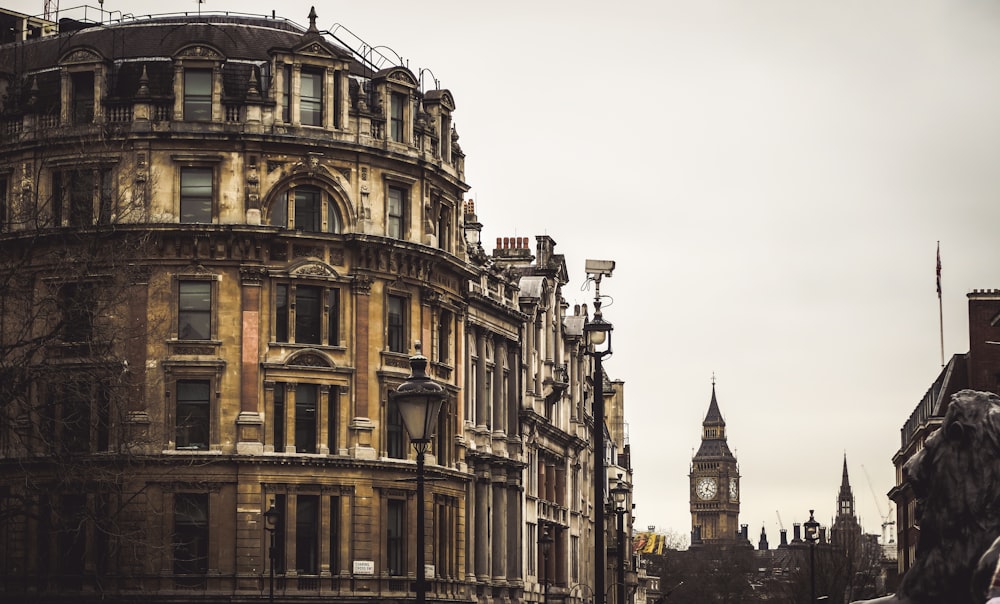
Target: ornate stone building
[{"x": 222, "y": 238}]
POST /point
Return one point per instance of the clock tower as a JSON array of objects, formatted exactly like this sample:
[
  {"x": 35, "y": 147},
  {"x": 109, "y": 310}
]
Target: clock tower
[{"x": 715, "y": 483}]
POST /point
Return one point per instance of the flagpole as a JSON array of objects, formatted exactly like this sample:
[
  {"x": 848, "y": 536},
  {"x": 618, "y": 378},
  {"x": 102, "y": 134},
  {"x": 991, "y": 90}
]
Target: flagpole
[{"x": 940, "y": 305}]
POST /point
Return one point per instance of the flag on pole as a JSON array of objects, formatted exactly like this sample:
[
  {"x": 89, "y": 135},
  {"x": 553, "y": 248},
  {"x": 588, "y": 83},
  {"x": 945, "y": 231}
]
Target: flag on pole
[{"x": 939, "y": 269}]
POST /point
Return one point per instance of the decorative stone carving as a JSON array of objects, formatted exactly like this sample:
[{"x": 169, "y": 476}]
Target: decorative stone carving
[
  {"x": 308, "y": 359},
  {"x": 956, "y": 480}
]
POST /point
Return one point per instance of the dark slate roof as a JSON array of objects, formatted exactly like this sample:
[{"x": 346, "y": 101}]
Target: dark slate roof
[
  {"x": 714, "y": 416},
  {"x": 237, "y": 38},
  {"x": 714, "y": 447}
]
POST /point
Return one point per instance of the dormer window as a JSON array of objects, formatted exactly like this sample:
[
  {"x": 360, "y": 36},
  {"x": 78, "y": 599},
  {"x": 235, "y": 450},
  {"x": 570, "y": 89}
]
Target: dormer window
[
  {"x": 311, "y": 98},
  {"x": 82, "y": 108},
  {"x": 197, "y": 95},
  {"x": 397, "y": 106}
]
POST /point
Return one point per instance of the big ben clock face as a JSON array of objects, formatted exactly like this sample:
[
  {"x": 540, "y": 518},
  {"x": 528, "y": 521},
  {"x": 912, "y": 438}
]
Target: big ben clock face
[
  {"x": 706, "y": 488},
  {"x": 733, "y": 489}
]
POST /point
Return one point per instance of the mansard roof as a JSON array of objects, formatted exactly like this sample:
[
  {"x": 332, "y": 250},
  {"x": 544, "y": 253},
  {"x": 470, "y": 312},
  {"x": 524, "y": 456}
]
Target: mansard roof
[{"x": 235, "y": 38}]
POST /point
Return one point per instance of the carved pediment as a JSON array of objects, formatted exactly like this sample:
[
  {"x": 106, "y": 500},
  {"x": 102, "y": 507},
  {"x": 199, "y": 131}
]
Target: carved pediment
[
  {"x": 80, "y": 56},
  {"x": 309, "y": 359},
  {"x": 313, "y": 269},
  {"x": 399, "y": 75},
  {"x": 199, "y": 51},
  {"x": 316, "y": 48}
]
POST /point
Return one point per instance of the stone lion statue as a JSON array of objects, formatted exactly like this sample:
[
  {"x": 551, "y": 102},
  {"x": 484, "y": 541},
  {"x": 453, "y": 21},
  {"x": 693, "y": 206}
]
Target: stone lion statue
[{"x": 956, "y": 480}]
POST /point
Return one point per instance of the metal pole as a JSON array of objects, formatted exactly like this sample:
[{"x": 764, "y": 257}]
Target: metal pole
[
  {"x": 270, "y": 555},
  {"x": 421, "y": 581},
  {"x": 621, "y": 556},
  {"x": 600, "y": 480}
]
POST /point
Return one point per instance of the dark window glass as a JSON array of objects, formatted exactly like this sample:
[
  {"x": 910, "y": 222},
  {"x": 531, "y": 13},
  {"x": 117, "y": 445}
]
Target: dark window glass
[
  {"x": 194, "y": 316},
  {"x": 333, "y": 317},
  {"x": 307, "y": 535},
  {"x": 286, "y": 96},
  {"x": 72, "y": 537},
  {"x": 331, "y": 419},
  {"x": 81, "y": 198},
  {"x": 58, "y": 196},
  {"x": 193, "y": 401},
  {"x": 4, "y": 212},
  {"x": 308, "y": 309},
  {"x": 444, "y": 336},
  {"x": 281, "y": 313},
  {"x": 83, "y": 97},
  {"x": 278, "y": 421},
  {"x": 334, "y": 534},
  {"x": 395, "y": 225},
  {"x": 107, "y": 197},
  {"x": 279, "y": 212},
  {"x": 305, "y": 418},
  {"x": 75, "y": 419},
  {"x": 311, "y": 98},
  {"x": 395, "y": 538},
  {"x": 332, "y": 217},
  {"x": 197, "y": 94},
  {"x": 307, "y": 210},
  {"x": 279, "y": 534},
  {"x": 397, "y": 102},
  {"x": 77, "y": 301},
  {"x": 394, "y": 432},
  {"x": 191, "y": 533},
  {"x": 395, "y": 324},
  {"x": 196, "y": 195}
]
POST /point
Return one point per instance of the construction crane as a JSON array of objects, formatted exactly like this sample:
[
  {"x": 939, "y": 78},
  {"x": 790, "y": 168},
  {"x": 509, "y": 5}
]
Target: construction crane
[{"x": 886, "y": 522}]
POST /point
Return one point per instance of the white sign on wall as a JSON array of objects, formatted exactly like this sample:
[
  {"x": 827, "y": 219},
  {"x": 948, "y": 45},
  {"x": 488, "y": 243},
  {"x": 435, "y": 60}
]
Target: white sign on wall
[{"x": 364, "y": 567}]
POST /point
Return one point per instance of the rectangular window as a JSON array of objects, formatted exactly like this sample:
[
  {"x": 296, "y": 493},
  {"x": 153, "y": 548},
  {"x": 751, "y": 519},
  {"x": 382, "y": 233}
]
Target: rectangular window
[
  {"x": 308, "y": 313},
  {"x": 307, "y": 210},
  {"x": 82, "y": 103},
  {"x": 106, "y": 201},
  {"x": 72, "y": 537},
  {"x": 286, "y": 94},
  {"x": 395, "y": 538},
  {"x": 532, "y": 539},
  {"x": 396, "y": 324},
  {"x": 194, "y": 315},
  {"x": 394, "y": 432},
  {"x": 193, "y": 404},
  {"x": 196, "y": 195},
  {"x": 307, "y": 535},
  {"x": 306, "y": 397},
  {"x": 311, "y": 98},
  {"x": 396, "y": 213},
  {"x": 575, "y": 558},
  {"x": 197, "y": 95},
  {"x": 334, "y": 534},
  {"x": 75, "y": 418},
  {"x": 331, "y": 419},
  {"x": 4, "y": 211},
  {"x": 397, "y": 103},
  {"x": 191, "y": 534},
  {"x": 444, "y": 336},
  {"x": 77, "y": 301},
  {"x": 281, "y": 313},
  {"x": 81, "y": 198},
  {"x": 278, "y": 421},
  {"x": 58, "y": 196},
  {"x": 279, "y": 534},
  {"x": 333, "y": 317}
]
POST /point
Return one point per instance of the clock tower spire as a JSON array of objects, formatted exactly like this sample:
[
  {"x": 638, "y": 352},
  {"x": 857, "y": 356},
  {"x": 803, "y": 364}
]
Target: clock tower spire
[{"x": 715, "y": 483}]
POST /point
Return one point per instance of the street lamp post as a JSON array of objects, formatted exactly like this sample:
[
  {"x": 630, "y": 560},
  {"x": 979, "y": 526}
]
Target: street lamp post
[
  {"x": 812, "y": 536},
  {"x": 271, "y": 517},
  {"x": 620, "y": 493},
  {"x": 598, "y": 332},
  {"x": 419, "y": 400},
  {"x": 546, "y": 542}
]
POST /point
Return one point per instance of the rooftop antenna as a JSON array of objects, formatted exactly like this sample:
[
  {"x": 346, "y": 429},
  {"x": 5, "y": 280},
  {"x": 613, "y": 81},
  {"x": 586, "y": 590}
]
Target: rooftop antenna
[{"x": 51, "y": 7}]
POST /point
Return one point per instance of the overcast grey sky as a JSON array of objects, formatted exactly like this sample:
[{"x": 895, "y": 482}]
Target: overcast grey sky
[{"x": 771, "y": 177}]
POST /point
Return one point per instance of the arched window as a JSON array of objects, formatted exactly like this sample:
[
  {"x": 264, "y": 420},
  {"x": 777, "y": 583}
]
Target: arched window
[{"x": 308, "y": 209}]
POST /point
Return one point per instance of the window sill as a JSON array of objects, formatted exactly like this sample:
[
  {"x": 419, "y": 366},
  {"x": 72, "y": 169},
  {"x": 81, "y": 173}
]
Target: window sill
[{"x": 194, "y": 347}]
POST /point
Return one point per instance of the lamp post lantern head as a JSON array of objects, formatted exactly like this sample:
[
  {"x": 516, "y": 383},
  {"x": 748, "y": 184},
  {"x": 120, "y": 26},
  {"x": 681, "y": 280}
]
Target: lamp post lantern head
[
  {"x": 620, "y": 493},
  {"x": 812, "y": 528},
  {"x": 546, "y": 541},
  {"x": 271, "y": 517},
  {"x": 419, "y": 401}
]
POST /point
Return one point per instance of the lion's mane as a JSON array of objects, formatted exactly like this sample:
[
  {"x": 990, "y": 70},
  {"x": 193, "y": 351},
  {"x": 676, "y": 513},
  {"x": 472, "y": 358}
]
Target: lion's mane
[{"x": 956, "y": 481}]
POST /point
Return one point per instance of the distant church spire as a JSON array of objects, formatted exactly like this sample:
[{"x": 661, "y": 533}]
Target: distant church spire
[{"x": 845, "y": 499}]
